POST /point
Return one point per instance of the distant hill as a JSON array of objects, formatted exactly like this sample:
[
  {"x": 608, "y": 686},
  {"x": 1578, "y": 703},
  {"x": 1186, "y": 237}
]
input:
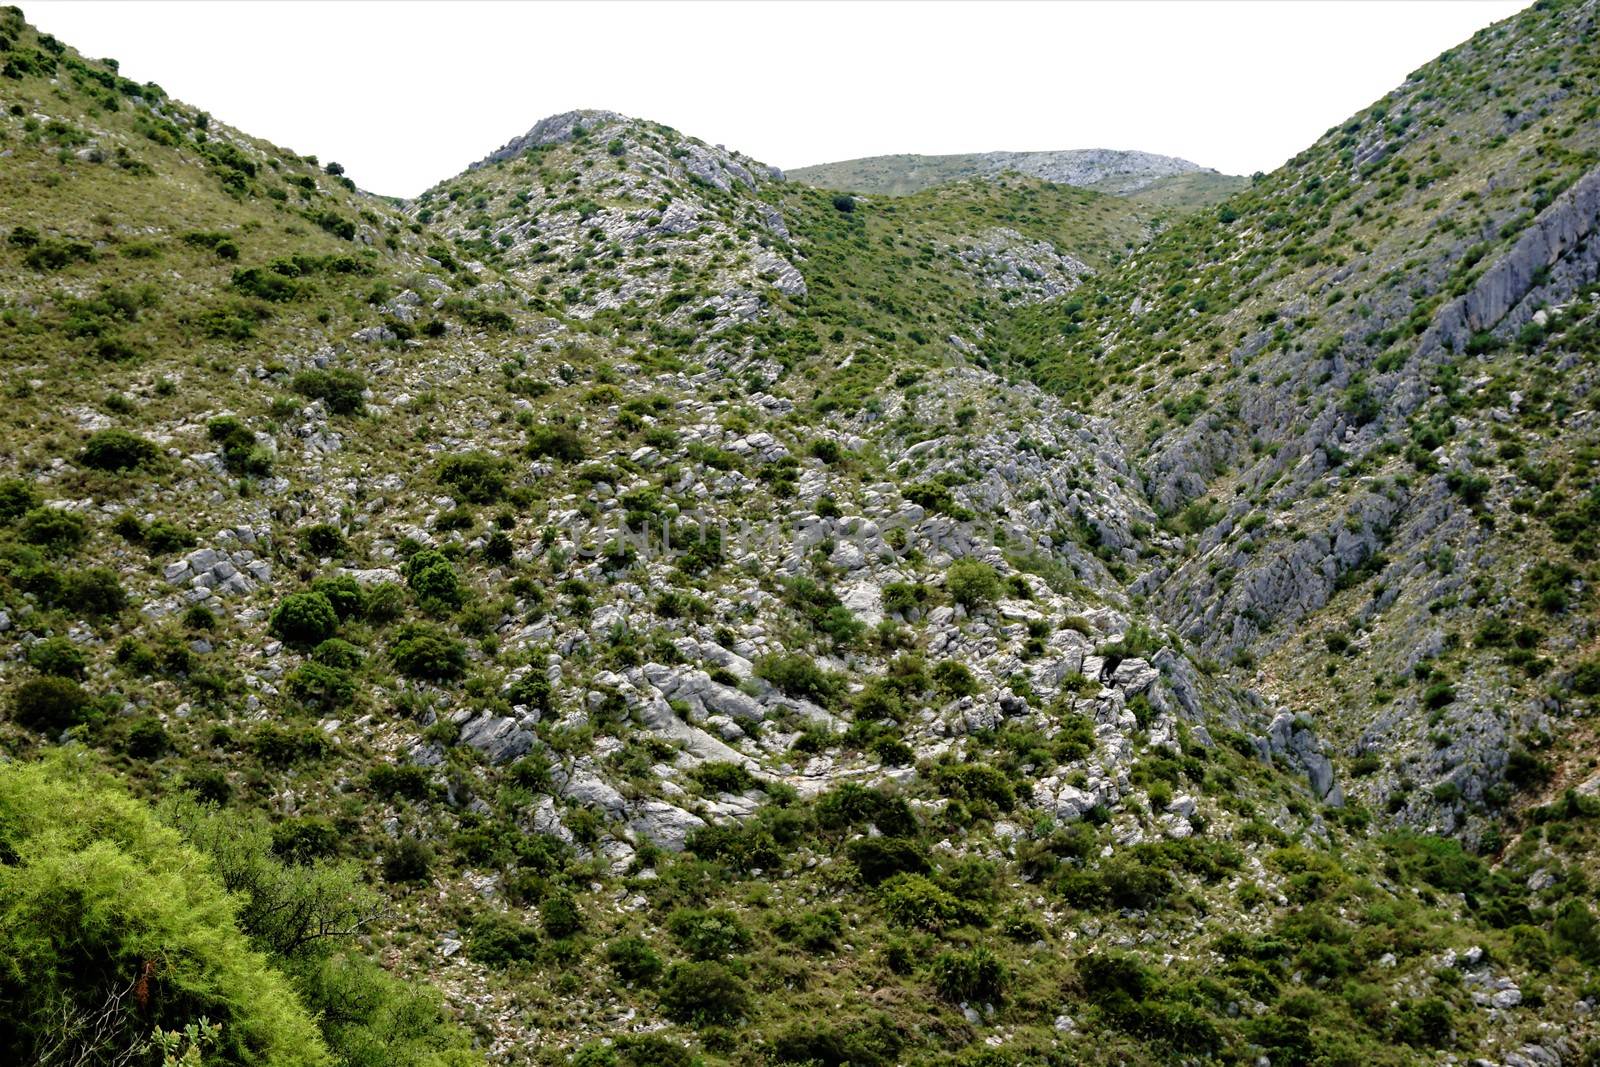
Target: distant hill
[{"x": 1101, "y": 169}]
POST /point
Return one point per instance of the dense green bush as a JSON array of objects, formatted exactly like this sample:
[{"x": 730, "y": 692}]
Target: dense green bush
[
  {"x": 95, "y": 593},
  {"x": 476, "y": 477},
  {"x": 117, "y": 450},
  {"x": 17, "y": 498},
  {"x": 978, "y": 975},
  {"x": 498, "y": 940},
  {"x": 634, "y": 960},
  {"x": 708, "y": 935},
  {"x": 304, "y": 619},
  {"x": 49, "y": 704},
  {"x": 341, "y": 391},
  {"x": 704, "y": 993},
  {"x": 555, "y": 442},
  {"x": 973, "y": 583},
  {"x": 433, "y": 579},
  {"x": 427, "y": 652},
  {"x": 56, "y": 529},
  {"x": 57, "y": 657},
  {"x": 110, "y": 925},
  {"x": 798, "y": 675}
]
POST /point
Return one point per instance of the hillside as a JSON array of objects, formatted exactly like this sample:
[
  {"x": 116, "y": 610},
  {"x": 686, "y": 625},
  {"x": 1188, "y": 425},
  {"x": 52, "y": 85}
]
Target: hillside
[
  {"x": 628, "y": 607},
  {"x": 1120, "y": 173}
]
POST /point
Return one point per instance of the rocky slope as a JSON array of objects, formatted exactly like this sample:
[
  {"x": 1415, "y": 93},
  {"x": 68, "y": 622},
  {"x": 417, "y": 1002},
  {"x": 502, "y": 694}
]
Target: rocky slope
[{"x": 705, "y": 605}]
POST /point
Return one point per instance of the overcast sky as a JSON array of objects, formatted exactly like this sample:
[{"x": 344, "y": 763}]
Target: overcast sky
[{"x": 406, "y": 94}]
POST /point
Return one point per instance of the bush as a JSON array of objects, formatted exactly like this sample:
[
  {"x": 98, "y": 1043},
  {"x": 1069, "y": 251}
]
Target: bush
[
  {"x": 972, "y": 583},
  {"x": 240, "y": 453},
  {"x": 798, "y": 675},
  {"x": 95, "y": 593},
  {"x": 498, "y": 940},
  {"x": 555, "y": 442},
  {"x": 322, "y": 688},
  {"x": 433, "y": 579},
  {"x": 477, "y": 477},
  {"x": 961, "y": 977},
  {"x": 633, "y": 960},
  {"x": 704, "y": 993},
  {"x": 349, "y": 600},
  {"x": 911, "y": 900},
  {"x": 708, "y": 935},
  {"x": 53, "y": 528},
  {"x": 117, "y": 450},
  {"x": 95, "y": 889},
  {"x": 323, "y": 540},
  {"x": 162, "y": 536},
  {"x": 428, "y": 653},
  {"x": 407, "y": 860},
  {"x": 304, "y": 619},
  {"x": 49, "y": 704},
  {"x": 57, "y": 657},
  {"x": 871, "y": 1042},
  {"x": 342, "y": 392},
  {"x": 17, "y": 498},
  {"x": 723, "y": 777},
  {"x": 559, "y": 914}
]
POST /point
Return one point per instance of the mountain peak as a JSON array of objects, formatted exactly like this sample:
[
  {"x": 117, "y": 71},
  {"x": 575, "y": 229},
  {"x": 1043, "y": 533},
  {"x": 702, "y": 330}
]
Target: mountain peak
[{"x": 552, "y": 129}]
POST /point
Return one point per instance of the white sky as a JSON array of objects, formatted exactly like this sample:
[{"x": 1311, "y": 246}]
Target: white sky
[{"x": 406, "y": 94}]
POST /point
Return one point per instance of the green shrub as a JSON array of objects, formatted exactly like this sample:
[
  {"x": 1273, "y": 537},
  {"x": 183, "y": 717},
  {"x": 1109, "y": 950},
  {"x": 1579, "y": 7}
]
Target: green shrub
[
  {"x": 117, "y": 450},
  {"x": 240, "y": 453},
  {"x": 498, "y": 940},
  {"x": 304, "y": 619},
  {"x": 17, "y": 498},
  {"x": 708, "y": 935},
  {"x": 407, "y": 860},
  {"x": 978, "y": 975},
  {"x": 723, "y": 777},
  {"x": 633, "y": 960},
  {"x": 49, "y": 704},
  {"x": 342, "y": 392},
  {"x": 95, "y": 889},
  {"x": 322, "y": 688},
  {"x": 555, "y": 442},
  {"x": 833, "y": 1042},
  {"x": 344, "y": 594},
  {"x": 704, "y": 993},
  {"x": 56, "y": 529},
  {"x": 798, "y": 675},
  {"x": 878, "y": 859},
  {"x": 322, "y": 540},
  {"x": 477, "y": 477},
  {"x": 973, "y": 583},
  {"x": 912, "y": 900},
  {"x": 559, "y": 914},
  {"x": 95, "y": 593},
  {"x": 422, "y": 651},
  {"x": 57, "y": 657},
  {"x": 433, "y": 579},
  {"x": 163, "y": 536}
]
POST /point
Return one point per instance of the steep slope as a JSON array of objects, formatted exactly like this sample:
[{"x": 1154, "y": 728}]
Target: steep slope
[
  {"x": 1104, "y": 170},
  {"x": 663, "y": 583},
  {"x": 1364, "y": 393}
]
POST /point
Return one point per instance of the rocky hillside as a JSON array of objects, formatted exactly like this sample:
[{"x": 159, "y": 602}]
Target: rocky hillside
[
  {"x": 1119, "y": 173},
  {"x": 627, "y": 607}
]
